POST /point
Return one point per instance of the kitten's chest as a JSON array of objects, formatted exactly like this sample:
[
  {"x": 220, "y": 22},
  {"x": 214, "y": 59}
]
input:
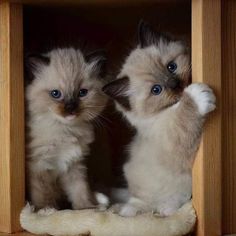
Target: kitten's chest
[{"x": 58, "y": 148}]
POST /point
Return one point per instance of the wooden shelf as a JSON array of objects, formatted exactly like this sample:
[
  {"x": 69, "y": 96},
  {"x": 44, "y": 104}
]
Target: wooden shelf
[
  {"x": 95, "y": 2},
  {"x": 18, "y": 234}
]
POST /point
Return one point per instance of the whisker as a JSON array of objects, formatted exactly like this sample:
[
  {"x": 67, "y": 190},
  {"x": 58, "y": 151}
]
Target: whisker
[
  {"x": 95, "y": 119},
  {"x": 105, "y": 118}
]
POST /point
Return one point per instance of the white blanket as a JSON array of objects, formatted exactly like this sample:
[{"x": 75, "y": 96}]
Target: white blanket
[{"x": 98, "y": 223}]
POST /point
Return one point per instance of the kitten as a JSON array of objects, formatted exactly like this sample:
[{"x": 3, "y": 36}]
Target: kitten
[
  {"x": 63, "y": 99},
  {"x": 151, "y": 92}
]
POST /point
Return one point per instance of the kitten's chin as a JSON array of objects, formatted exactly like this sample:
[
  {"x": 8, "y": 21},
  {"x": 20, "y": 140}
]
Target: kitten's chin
[{"x": 70, "y": 117}]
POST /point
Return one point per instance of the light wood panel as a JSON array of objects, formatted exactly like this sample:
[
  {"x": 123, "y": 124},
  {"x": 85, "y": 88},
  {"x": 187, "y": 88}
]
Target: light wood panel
[
  {"x": 229, "y": 115},
  {"x": 206, "y": 67},
  {"x": 11, "y": 116}
]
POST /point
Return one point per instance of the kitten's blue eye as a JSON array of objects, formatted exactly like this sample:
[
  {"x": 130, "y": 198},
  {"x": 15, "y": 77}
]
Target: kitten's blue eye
[
  {"x": 56, "y": 94},
  {"x": 171, "y": 67},
  {"x": 156, "y": 89},
  {"x": 83, "y": 92}
]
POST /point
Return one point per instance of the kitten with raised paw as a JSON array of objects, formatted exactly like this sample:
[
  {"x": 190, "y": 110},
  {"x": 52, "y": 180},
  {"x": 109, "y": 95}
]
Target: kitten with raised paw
[
  {"x": 63, "y": 99},
  {"x": 153, "y": 93}
]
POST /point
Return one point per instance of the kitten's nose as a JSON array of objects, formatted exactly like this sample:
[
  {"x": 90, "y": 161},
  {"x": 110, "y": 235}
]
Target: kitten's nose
[
  {"x": 173, "y": 83},
  {"x": 71, "y": 107}
]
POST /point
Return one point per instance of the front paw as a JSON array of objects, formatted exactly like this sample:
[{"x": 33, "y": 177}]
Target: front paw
[
  {"x": 129, "y": 210},
  {"x": 126, "y": 210},
  {"x": 167, "y": 211},
  {"x": 202, "y": 96}
]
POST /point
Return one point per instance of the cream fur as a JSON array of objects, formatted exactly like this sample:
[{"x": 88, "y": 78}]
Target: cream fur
[
  {"x": 92, "y": 222},
  {"x": 168, "y": 127}
]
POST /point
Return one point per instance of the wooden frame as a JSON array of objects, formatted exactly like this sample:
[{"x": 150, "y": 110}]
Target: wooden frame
[
  {"x": 11, "y": 116},
  {"x": 229, "y": 116},
  {"x": 206, "y": 67}
]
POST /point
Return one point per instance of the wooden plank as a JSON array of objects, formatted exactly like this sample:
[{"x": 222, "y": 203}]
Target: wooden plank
[
  {"x": 95, "y": 2},
  {"x": 206, "y": 67},
  {"x": 11, "y": 116},
  {"x": 229, "y": 115},
  {"x": 20, "y": 234}
]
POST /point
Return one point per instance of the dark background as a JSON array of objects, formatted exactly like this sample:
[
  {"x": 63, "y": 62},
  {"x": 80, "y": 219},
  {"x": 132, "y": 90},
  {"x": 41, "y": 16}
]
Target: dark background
[{"x": 113, "y": 28}]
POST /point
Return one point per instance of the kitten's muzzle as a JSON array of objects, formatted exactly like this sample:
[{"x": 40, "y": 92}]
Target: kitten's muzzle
[{"x": 71, "y": 107}]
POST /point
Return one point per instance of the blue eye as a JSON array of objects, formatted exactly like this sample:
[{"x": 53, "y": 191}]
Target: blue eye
[
  {"x": 83, "y": 92},
  {"x": 156, "y": 89},
  {"x": 171, "y": 67},
  {"x": 56, "y": 94}
]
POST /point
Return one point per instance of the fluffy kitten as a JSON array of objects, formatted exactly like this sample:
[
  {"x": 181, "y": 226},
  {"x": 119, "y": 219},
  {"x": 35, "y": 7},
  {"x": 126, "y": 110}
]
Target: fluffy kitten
[
  {"x": 63, "y": 99},
  {"x": 151, "y": 92}
]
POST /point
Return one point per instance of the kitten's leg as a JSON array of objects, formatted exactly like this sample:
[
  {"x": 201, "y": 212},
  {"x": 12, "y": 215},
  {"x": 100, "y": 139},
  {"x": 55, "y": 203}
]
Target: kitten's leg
[
  {"x": 42, "y": 191},
  {"x": 74, "y": 183},
  {"x": 188, "y": 116}
]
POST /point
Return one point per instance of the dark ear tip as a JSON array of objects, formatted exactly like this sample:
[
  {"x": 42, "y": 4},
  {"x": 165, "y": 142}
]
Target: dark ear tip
[
  {"x": 35, "y": 58},
  {"x": 142, "y": 23},
  {"x": 104, "y": 59},
  {"x": 143, "y": 26},
  {"x": 101, "y": 54},
  {"x": 146, "y": 34}
]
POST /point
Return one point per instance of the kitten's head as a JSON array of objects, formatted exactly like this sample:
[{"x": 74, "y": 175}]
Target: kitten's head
[
  {"x": 67, "y": 85},
  {"x": 153, "y": 75}
]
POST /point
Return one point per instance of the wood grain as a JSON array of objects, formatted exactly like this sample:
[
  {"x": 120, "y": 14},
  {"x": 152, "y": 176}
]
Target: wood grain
[
  {"x": 206, "y": 67},
  {"x": 229, "y": 115},
  {"x": 11, "y": 116}
]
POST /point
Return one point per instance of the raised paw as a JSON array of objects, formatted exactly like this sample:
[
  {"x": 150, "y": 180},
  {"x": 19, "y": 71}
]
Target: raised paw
[{"x": 202, "y": 96}]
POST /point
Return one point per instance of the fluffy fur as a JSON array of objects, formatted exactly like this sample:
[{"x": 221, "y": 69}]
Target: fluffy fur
[
  {"x": 169, "y": 124},
  {"x": 91, "y": 222},
  {"x": 60, "y": 128}
]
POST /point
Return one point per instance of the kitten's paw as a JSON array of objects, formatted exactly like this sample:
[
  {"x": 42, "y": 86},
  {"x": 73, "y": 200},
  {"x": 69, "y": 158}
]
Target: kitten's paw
[
  {"x": 102, "y": 199},
  {"x": 46, "y": 211},
  {"x": 126, "y": 210},
  {"x": 129, "y": 210},
  {"x": 167, "y": 211},
  {"x": 115, "y": 208},
  {"x": 203, "y": 97}
]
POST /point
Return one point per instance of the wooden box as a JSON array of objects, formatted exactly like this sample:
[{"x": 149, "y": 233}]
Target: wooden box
[{"x": 209, "y": 24}]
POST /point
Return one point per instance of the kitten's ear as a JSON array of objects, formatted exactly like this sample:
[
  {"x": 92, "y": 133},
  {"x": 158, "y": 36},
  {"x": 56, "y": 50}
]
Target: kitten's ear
[
  {"x": 100, "y": 59},
  {"x": 117, "y": 90},
  {"x": 148, "y": 36},
  {"x": 32, "y": 62},
  {"x": 34, "y": 59}
]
